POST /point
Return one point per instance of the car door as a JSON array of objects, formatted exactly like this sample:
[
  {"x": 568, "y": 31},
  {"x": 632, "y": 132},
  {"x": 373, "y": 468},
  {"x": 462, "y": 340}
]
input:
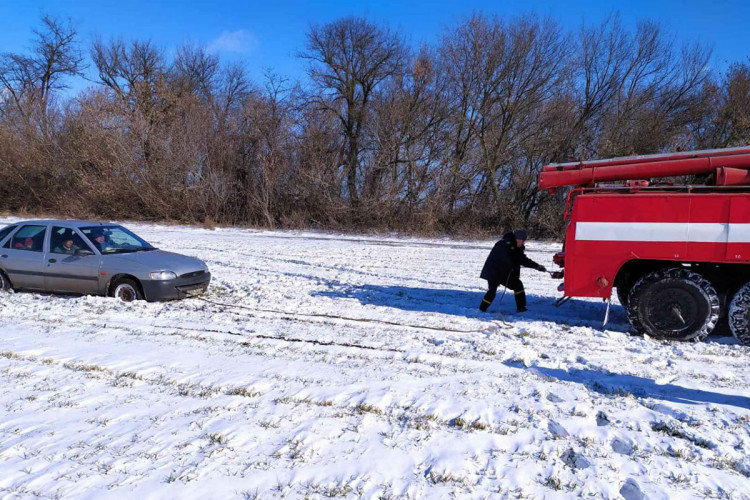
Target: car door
[
  {"x": 73, "y": 269},
  {"x": 23, "y": 257},
  {"x": 5, "y": 233}
]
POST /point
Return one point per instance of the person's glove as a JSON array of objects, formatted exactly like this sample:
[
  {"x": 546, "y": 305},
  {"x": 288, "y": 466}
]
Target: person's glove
[{"x": 542, "y": 269}]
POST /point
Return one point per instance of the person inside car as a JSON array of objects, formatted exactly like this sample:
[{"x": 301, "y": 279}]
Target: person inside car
[
  {"x": 28, "y": 244},
  {"x": 100, "y": 240},
  {"x": 67, "y": 246}
]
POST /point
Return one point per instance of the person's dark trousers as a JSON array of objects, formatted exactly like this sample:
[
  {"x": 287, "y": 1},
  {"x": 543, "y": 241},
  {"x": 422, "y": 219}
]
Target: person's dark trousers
[
  {"x": 489, "y": 296},
  {"x": 514, "y": 283}
]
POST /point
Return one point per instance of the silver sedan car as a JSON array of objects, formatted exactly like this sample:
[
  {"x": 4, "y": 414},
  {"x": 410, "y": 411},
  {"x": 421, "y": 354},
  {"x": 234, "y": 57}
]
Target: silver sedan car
[{"x": 94, "y": 258}]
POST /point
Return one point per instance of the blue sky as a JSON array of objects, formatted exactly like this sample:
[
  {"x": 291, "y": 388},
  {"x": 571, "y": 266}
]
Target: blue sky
[{"x": 268, "y": 34}]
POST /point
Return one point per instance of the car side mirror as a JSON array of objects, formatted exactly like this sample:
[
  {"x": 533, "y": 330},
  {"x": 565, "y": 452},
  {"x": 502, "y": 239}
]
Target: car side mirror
[{"x": 83, "y": 252}]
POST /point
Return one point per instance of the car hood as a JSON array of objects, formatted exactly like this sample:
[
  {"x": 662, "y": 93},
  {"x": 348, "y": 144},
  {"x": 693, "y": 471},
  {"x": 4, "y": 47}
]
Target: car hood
[{"x": 159, "y": 260}]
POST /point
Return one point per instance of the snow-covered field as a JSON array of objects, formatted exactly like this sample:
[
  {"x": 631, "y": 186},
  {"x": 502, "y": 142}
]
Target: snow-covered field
[{"x": 359, "y": 366}]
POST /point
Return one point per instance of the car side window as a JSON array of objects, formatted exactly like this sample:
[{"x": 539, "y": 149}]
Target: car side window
[
  {"x": 29, "y": 238},
  {"x": 65, "y": 240},
  {"x": 6, "y": 231}
]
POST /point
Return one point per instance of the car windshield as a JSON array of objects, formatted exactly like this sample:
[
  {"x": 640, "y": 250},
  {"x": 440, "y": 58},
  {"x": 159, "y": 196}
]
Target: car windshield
[{"x": 115, "y": 239}]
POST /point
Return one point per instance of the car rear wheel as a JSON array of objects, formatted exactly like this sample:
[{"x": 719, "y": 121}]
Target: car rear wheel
[
  {"x": 739, "y": 315},
  {"x": 674, "y": 304},
  {"x": 127, "y": 290},
  {"x": 4, "y": 283}
]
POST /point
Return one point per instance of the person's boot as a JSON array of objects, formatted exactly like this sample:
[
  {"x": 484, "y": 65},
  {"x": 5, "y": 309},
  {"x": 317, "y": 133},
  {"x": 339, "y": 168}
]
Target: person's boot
[
  {"x": 484, "y": 305},
  {"x": 521, "y": 301}
]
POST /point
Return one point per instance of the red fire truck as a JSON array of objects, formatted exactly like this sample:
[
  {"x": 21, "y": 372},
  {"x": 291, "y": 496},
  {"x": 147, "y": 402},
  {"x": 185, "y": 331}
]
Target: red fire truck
[{"x": 678, "y": 255}]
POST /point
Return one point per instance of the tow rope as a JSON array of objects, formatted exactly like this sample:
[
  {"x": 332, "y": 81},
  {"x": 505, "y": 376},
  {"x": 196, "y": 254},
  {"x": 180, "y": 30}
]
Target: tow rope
[
  {"x": 253, "y": 335},
  {"x": 346, "y": 318}
]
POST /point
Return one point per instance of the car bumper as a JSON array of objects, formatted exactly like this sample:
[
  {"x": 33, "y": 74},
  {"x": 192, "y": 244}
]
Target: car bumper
[{"x": 175, "y": 289}]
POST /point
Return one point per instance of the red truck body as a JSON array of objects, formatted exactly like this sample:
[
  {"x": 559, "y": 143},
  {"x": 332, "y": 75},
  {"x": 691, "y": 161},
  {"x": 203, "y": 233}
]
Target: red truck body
[
  {"x": 679, "y": 256},
  {"x": 607, "y": 230}
]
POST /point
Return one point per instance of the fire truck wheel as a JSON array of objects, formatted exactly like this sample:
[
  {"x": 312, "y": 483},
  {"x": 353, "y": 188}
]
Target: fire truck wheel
[
  {"x": 739, "y": 315},
  {"x": 622, "y": 296},
  {"x": 674, "y": 304}
]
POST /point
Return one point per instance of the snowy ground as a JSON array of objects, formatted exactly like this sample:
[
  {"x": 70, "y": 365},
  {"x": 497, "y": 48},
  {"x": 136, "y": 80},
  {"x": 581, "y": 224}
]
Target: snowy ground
[{"x": 358, "y": 367}]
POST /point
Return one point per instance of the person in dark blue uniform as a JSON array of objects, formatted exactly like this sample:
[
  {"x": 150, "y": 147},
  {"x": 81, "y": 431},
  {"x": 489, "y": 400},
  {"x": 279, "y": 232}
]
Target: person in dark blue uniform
[{"x": 503, "y": 267}]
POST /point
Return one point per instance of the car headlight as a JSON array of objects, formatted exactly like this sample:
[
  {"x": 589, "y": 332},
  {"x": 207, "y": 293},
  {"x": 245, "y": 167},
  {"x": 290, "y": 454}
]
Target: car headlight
[{"x": 163, "y": 275}]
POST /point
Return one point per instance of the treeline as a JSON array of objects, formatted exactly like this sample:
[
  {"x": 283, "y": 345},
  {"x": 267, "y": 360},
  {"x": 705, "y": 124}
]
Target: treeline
[{"x": 382, "y": 135}]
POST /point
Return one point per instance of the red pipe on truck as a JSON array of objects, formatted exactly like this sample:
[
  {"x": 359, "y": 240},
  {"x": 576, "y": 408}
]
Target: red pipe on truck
[
  {"x": 726, "y": 176},
  {"x": 694, "y": 163},
  {"x": 632, "y": 160}
]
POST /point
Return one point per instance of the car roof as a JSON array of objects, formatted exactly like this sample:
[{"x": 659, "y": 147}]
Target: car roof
[{"x": 62, "y": 222}]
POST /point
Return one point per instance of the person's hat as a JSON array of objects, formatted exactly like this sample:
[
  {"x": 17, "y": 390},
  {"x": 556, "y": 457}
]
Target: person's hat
[{"x": 520, "y": 234}]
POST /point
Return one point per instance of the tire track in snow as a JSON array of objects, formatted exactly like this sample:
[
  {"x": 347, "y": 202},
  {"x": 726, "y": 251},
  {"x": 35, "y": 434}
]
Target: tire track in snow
[
  {"x": 404, "y": 415},
  {"x": 409, "y": 356},
  {"x": 345, "y": 318},
  {"x": 297, "y": 262},
  {"x": 310, "y": 277},
  {"x": 477, "y": 368}
]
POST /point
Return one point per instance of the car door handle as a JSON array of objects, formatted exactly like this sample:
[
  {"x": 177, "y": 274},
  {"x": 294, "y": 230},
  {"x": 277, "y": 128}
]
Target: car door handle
[
  {"x": 4, "y": 256},
  {"x": 52, "y": 261}
]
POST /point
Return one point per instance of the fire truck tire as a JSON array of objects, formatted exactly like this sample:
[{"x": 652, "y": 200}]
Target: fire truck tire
[
  {"x": 622, "y": 296},
  {"x": 674, "y": 304},
  {"x": 739, "y": 315}
]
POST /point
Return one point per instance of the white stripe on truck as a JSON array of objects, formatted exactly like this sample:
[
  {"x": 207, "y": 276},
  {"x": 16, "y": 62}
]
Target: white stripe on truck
[{"x": 663, "y": 231}]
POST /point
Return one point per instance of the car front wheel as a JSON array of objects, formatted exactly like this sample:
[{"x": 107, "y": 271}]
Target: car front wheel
[{"x": 127, "y": 290}]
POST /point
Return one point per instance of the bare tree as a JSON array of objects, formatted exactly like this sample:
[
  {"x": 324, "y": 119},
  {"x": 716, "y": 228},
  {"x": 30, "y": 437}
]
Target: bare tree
[
  {"x": 30, "y": 81},
  {"x": 221, "y": 87},
  {"x": 349, "y": 59},
  {"x": 726, "y": 114},
  {"x": 409, "y": 137},
  {"x": 500, "y": 77},
  {"x": 625, "y": 84},
  {"x": 447, "y": 137}
]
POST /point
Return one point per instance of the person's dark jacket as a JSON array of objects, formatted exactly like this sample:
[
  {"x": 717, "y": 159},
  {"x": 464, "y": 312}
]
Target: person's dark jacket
[{"x": 505, "y": 259}]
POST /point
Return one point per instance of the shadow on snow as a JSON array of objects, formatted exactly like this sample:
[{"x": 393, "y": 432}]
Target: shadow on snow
[
  {"x": 465, "y": 303},
  {"x": 616, "y": 383}
]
